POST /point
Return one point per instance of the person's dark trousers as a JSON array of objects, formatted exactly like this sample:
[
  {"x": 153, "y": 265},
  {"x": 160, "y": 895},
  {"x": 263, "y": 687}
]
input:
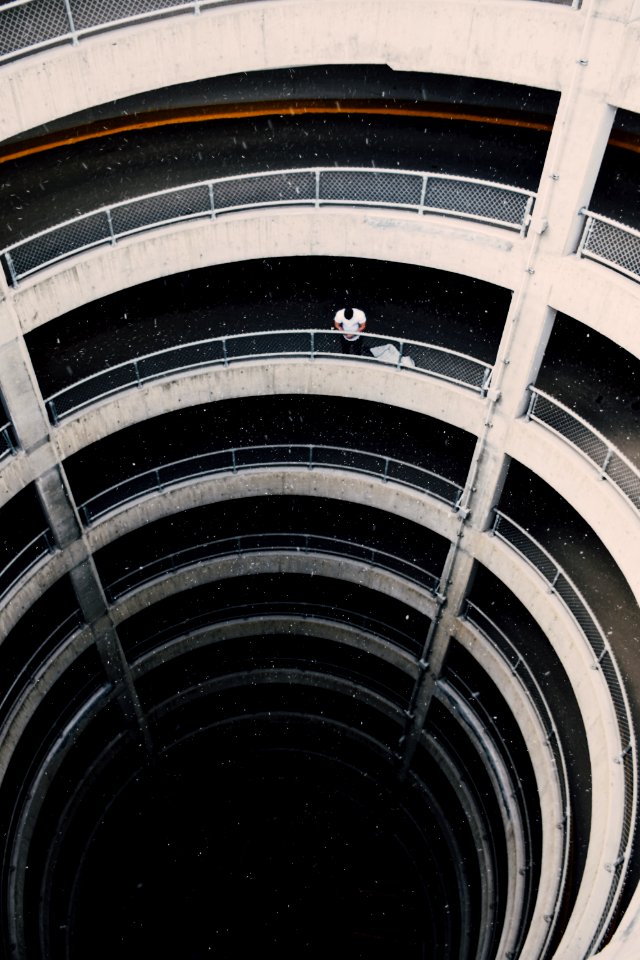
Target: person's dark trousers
[{"x": 352, "y": 347}]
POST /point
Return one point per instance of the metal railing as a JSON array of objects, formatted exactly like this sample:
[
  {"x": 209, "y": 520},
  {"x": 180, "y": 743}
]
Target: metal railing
[
  {"x": 226, "y": 614},
  {"x": 235, "y": 459},
  {"x": 611, "y": 464},
  {"x": 565, "y": 589},
  {"x": 520, "y": 668},
  {"x": 24, "y": 560},
  {"x": 610, "y": 242},
  {"x": 27, "y": 26},
  {"x": 427, "y": 358},
  {"x": 263, "y": 543},
  {"x": 24, "y": 677},
  {"x": 7, "y": 441},
  {"x": 420, "y": 192}
]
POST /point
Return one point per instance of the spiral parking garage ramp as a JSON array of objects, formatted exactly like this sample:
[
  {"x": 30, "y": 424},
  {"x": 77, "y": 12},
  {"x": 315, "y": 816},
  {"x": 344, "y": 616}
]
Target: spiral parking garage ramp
[{"x": 303, "y": 650}]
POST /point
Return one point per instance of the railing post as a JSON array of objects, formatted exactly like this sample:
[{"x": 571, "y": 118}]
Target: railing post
[
  {"x": 399, "y": 363},
  {"x": 212, "y": 205},
  {"x": 532, "y": 404},
  {"x": 72, "y": 27},
  {"x": 12, "y": 269},
  {"x": 317, "y": 196},
  {"x": 9, "y": 442},
  {"x": 607, "y": 461},
  {"x": 50, "y": 404},
  {"x": 313, "y": 345},
  {"x": 385, "y": 476},
  {"x": 136, "y": 371},
  {"x": 158, "y": 480},
  {"x": 110, "y": 223},
  {"x": 485, "y": 381},
  {"x": 224, "y": 351},
  {"x": 234, "y": 465},
  {"x": 586, "y": 233},
  {"x": 526, "y": 218},
  {"x": 310, "y": 456},
  {"x": 423, "y": 193},
  {"x": 552, "y": 583}
]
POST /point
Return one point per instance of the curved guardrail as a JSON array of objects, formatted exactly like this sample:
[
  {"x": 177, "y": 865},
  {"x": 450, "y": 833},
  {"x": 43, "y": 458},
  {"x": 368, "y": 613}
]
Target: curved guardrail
[
  {"x": 15, "y": 686},
  {"x": 611, "y": 464},
  {"x": 202, "y": 619},
  {"x": 420, "y": 192},
  {"x": 519, "y": 667},
  {"x": 235, "y": 459},
  {"x": 565, "y": 589},
  {"x": 427, "y": 358},
  {"x": 27, "y": 26},
  {"x": 610, "y": 242},
  {"x": 25, "y": 559},
  {"x": 268, "y": 542}
]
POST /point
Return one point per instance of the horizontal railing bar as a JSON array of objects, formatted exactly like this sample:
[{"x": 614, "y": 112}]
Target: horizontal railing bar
[
  {"x": 133, "y": 18},
  {"x": 612, "y": 223},
  {"x": 337, "y": 334},
  {"x": 290, "y": 541},
  {"x": 310, "y": 196},
  {"x": 232, "y": 452},
  {"x": 610, "y": 447}
]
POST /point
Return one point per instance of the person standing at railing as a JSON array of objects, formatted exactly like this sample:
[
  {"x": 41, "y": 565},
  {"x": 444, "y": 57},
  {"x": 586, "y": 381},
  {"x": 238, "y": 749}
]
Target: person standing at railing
[{"x": 351, "y": 322}]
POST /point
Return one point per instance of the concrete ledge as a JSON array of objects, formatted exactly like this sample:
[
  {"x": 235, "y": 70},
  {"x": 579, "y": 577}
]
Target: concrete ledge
[
  {"x": 607, "y": 511},
  {"x": 340, "y": 485},
  {"x": 281, "y": 561},
  {"x": 551, "y": 807},
  {"x": 597, "y": 296},
  {"x": 493, "y": 254},
  {"x": 596, "y": 709},
  {"x": 483, "y": 38},
  {"x": 377, "y": 382}
]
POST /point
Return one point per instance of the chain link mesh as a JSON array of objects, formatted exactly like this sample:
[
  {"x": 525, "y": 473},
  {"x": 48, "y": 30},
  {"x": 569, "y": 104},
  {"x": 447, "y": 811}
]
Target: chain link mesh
[
  {"x": 484, "y": 201},
  {"x": 31, "y": 24},
  {"x": 161, "y": 208},
  {"x": 60, "y": 242},
  {"x": 264, "y": 189},
  {"x": 371, "y": 186},
  {"x": 625, "y": 476},
  {"x": 88, "y": 391},
  {"x": 619, "y": 247},
  {"x": 422, "y": 358},
  {"x": 185, "y": 357},
  {"x": 93, "y": 13}
]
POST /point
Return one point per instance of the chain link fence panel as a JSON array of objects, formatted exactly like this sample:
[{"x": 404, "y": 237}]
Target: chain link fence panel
[
  {"x": 32, "y": 24},
  {"x": 620, "y": 471},
  {"x": 478, "y": 200},
  {"x": 88, "y": 391},
  {"x": 170, "y": 207},
  {"x": 264, "y": 190},
  {"x": 88, "y": 14},
  {"x": 24, "y": 560},
  {"x": 612, "y": 243},
  {"x": 371, "y": 187},
  {"x": 60, "y": 242}
]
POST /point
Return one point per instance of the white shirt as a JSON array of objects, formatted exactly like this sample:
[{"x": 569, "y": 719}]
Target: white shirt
[{"x": 351, "y": 327}]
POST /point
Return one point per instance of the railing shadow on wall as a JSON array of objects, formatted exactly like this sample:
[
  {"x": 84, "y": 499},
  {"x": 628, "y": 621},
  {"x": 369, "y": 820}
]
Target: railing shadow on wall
[
  {"x": 27, "y": 26},
  {"x": 425, "y": 358},
  {"x": 413, "y": 191},
  {"x": 564, "y": 588}
]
